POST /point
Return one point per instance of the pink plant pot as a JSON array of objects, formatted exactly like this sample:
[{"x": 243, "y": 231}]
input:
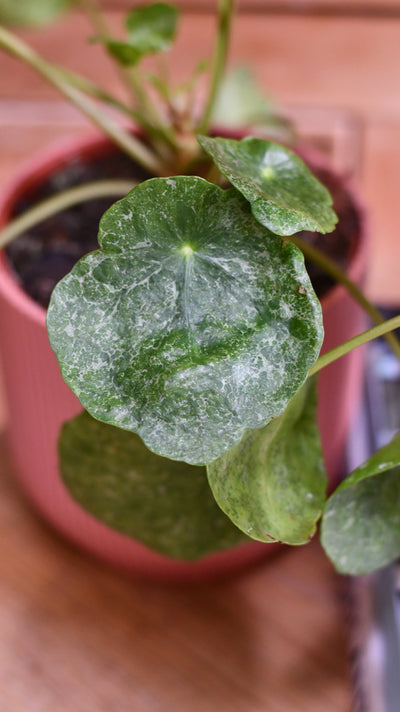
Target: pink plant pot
[{"x": 39, "y": 403}]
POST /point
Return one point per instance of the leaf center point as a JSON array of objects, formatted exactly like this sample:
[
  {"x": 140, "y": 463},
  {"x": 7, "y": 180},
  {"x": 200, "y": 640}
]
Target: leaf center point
[
  {"x": 268, "y": 173},
  {"x": 186, "y": 250}
]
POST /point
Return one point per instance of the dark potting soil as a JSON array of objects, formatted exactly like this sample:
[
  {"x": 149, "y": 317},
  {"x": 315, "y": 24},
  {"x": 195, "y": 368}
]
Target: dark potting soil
[
  {"x": 47, "y": 252},
  {"x": 44, "y": 254}
]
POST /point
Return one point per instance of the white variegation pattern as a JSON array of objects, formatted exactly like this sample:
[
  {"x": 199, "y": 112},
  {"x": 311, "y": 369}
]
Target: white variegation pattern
[{"x": 192, "y": 324}]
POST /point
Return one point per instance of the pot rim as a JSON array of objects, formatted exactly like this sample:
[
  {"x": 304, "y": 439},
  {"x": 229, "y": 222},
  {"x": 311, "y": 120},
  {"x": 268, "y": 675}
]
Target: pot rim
[{"x": 38, "y": 168}]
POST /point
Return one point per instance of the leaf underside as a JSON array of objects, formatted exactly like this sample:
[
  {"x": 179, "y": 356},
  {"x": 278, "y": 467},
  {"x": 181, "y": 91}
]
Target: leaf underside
[
  {"x": 240, "y": 103},
  {"x": 284, "y": 195},
  {"x": 166, "y": 505},
  {"x": 191, "y": 325},
  {"x": 360, "y": 529},
  {"x": 272, "y": 484}
]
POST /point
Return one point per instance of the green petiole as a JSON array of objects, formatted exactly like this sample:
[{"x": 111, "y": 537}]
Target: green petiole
[
  {"x": 66, "y": 199},
  {"x": 355, "y": 342},
  {"x": 340, "y": 277}
]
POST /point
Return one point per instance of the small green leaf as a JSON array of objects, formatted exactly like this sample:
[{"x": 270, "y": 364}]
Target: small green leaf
[
  {"x": 283, "y": 193},
  {"x": 361, "y": 524},
  {"x": 193, "y": 323},
  {"x": 166, "y": 505},
  {"x": 272, "y": 484},
  {"x": 31, "y": 12},
  {"x": 123, "y": 52},
  {"x": 151, "y": 28}
]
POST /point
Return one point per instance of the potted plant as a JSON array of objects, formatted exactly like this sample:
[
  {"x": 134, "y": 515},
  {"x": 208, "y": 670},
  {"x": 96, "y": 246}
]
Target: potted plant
[{"x": 191, "y": 338}]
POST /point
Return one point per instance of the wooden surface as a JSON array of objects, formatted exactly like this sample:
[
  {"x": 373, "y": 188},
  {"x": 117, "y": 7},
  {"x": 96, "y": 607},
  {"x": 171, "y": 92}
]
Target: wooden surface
[
  {"x": 76, "y": 637},
  {"x": 343, "y": 8}
]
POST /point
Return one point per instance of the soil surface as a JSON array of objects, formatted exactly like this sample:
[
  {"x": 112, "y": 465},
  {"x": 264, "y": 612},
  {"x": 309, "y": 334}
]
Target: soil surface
[{"x": 42, "y": 256}]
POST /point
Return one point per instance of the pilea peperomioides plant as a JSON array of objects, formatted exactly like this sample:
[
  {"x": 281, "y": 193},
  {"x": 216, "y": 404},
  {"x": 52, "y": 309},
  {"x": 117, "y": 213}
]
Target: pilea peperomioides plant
[{"x": 192, "y": 335}]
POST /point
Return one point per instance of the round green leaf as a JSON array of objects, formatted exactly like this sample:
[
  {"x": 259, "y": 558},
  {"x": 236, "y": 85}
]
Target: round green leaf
[
  {"x": 272, "y": 484},
  {"x": 151, "y": 29},
  {"x": 360, "y": 529},
  {"x": 191, "y": 325},
  {"x": 166, "y": 505},
  {"x": 283, "y": 193},
  {"x": 31, "y": 12}
]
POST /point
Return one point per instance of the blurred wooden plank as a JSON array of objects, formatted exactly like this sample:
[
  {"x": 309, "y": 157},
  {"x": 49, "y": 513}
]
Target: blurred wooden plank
[
  {"x": 76, "y": 637},
  {"x": 381, "y": 192},
  {"x": 328, "y": 8},
  {"x": 3, "y": 409},
  {"x": 331, "y": 62}
]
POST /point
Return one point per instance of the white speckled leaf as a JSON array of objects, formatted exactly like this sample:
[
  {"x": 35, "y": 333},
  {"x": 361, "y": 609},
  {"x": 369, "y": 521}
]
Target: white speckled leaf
[
  {"x": 191, "y": 325},
  {"x": 166, "y": 505},
  {"x": 283, "y": 193},
  {"x": 272, "y": 484},
  {"x": 360, "y": 529}
]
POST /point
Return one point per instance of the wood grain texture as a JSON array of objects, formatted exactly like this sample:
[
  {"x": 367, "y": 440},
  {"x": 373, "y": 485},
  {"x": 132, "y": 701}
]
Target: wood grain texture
[
  {"x": 75, "y": 636},
  {"x": 372, "y": 8}
]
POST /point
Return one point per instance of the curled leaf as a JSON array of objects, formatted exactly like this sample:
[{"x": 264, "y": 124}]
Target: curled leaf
[
  {"x": 283, "y": 193},
  {"x": 272, "y": 484}
]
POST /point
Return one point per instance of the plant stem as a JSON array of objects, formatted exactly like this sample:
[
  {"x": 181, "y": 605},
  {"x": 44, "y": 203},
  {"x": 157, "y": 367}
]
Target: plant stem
[
  {"x": 91, "y": 88},
  {"x": 150, "y": 110},
  {"x": 98, "y": 92},
  {"x": 225, "y": 12},
  {"x": 128, "y": 76},
  {"x": 94, "y": 14},
  {"x": 129, "y": 144},
  {"x": 354, "y": 343},
  {"x": 332, "y": 269},
  {"x": 51, "y": 206},
  {"x": 94, "y": 90}
]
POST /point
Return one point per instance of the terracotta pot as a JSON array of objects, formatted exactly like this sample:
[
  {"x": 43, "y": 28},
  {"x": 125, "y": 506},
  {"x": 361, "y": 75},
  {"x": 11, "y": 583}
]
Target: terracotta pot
[{"x": 39, "y": 402}]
